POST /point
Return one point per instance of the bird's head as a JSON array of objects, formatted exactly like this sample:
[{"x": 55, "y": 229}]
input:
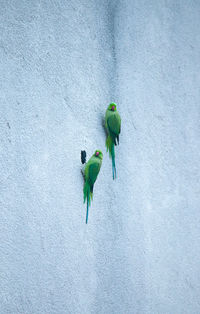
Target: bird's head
[
  {"x": 98, "y": 154},
  {"x": 112, "y": 107}
]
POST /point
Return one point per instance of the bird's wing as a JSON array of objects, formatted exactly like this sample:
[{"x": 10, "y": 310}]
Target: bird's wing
[
  {"x": 93, "y": 171},
  {"x": 114, "y": 123}
]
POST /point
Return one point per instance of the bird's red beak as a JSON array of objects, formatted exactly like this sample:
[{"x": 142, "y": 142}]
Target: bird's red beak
[
  {"x": 113, "y": 108},
  {"x": 97, "y": 153}
]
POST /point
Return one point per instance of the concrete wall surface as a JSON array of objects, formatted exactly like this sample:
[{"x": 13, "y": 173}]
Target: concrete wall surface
[{"x": 61, "y": 64}]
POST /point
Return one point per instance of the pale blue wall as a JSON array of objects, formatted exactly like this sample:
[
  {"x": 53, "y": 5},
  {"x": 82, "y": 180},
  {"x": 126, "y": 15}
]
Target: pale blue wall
[{"x": 61, "y": 63}]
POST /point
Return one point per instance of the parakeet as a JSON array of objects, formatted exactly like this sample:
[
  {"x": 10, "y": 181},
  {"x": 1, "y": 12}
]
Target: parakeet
[
  {"x": 91, "y": 171},
  {"x": 113, "y": 127}
]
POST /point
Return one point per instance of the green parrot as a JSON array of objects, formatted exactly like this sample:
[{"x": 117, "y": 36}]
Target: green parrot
[
  {"x": 113, "y": 127},
  {"x": 91, "y": 171}
]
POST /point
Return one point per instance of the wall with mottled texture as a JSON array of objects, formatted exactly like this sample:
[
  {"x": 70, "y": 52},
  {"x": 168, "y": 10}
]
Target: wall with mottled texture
[{"x": 61, "y": 63}]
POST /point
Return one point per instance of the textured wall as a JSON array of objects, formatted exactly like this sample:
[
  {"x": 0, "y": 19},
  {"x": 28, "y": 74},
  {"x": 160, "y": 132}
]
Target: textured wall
[{"x": 61, "y": 63}]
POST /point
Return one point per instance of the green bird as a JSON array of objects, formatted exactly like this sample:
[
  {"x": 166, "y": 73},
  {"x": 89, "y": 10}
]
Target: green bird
[
  {"x": 113, "y": 127},
  {"x": 91, "y": 172}
]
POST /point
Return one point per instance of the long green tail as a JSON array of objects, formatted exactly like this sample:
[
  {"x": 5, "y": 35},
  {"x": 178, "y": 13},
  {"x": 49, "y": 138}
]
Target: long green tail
[
  {"x": 87, "y": 195},
  {"x": 111, "y": 147}
]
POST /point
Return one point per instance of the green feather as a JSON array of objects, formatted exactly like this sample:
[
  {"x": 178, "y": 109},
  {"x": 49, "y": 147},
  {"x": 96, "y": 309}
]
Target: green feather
[
  {"x": 92, "y": 169},
  {"x": 113, "y": 127},
  {"x": 111, "y": 148}
]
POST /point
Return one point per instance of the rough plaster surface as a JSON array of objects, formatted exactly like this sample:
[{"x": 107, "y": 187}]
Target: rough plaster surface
[{"x": 61, "y": 63}]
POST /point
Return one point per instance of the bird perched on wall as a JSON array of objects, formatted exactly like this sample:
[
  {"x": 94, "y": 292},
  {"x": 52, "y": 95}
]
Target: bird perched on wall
[
  {"x": 113, "y": 127},
  {"x": 91, "y": 172}
]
